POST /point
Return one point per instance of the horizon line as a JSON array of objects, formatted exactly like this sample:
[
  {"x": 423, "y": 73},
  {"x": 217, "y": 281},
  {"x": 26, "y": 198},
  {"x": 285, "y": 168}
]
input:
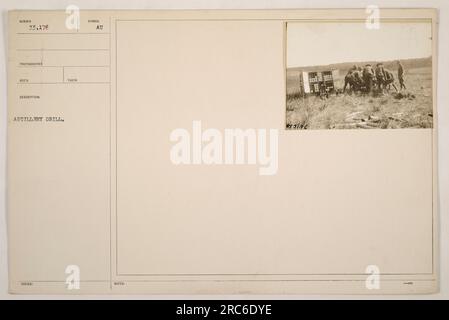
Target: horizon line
[{"x": 360, "y": 61}]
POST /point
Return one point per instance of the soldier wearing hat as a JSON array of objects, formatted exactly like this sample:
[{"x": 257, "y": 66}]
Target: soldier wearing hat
[
  {"x": 368, "y": 77},
  {"x": 401, "y": 75},
  {"x": 389, "y": 80},
  {"x": 380, "y": 75}
]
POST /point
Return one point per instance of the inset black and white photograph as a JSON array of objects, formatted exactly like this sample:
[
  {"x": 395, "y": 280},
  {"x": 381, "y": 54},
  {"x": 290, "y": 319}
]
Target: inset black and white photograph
[{"x": 344, "y": 75}]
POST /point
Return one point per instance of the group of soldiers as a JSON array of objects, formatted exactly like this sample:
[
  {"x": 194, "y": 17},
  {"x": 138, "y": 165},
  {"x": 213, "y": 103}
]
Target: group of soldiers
[{"x": 368, "y": 78}]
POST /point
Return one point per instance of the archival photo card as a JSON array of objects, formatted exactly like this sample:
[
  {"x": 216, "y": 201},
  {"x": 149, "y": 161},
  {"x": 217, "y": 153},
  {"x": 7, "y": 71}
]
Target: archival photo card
[
  {"x": 155, "y": 152},
  {"x": 353, "y": 75}
]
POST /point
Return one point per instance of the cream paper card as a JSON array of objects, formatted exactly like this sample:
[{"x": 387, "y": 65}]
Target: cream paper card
[{"x": 216, "y": 152}]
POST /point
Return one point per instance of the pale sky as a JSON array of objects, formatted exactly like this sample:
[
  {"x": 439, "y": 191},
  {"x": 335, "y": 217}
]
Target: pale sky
[{"x": 321, "y": 43}]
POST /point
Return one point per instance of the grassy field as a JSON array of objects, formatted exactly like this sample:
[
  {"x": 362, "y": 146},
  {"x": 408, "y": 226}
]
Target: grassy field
[{"x": 411, "y": 108}]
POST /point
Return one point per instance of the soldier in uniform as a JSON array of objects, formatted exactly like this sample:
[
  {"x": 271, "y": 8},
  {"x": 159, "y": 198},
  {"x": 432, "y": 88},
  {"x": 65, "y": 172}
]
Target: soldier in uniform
[
  {"x": 380, "y": 76},
  {"x": 357, "y": 79},
  {"x": 401, "y": 75},
  {"x": 349, "y": 78},
  {"x": 389, "y": 80},
  {"x": 353, "y": 79},
  {"x": 368, "y": 77}
]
